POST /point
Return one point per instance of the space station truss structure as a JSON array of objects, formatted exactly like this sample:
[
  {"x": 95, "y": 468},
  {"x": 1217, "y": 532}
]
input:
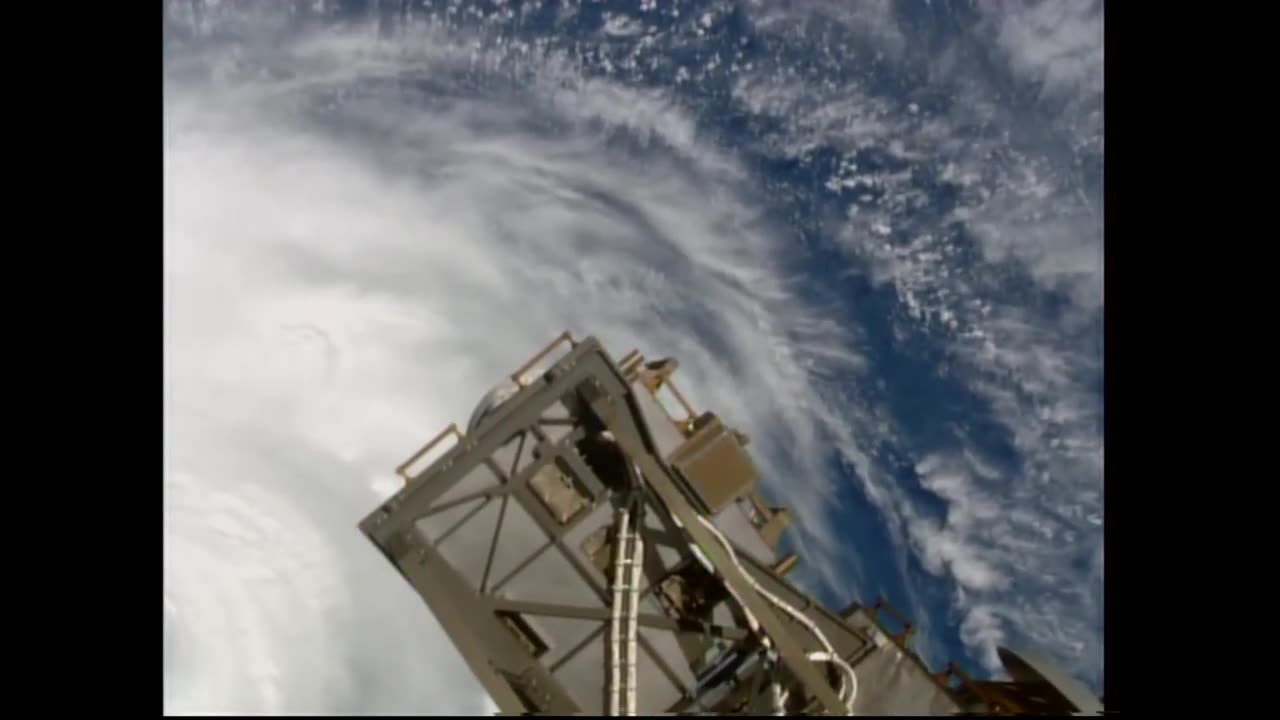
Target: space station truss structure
[{"x": 591, "y": 544}]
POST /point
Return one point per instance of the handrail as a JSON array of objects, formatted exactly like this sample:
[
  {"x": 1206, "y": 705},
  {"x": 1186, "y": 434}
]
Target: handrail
[
  {"x": 628, "y": 362},
  {"x": 691, "y": 415},
  {"x": 451, "y": 430},
  {"x": 518, "y": 376},
  {"x": 908, "y": 629},
  {"x": 953, "y": 670}
]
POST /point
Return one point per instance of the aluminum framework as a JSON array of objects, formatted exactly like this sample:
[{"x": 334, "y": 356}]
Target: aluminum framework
[{"x": 509, "y": 537}]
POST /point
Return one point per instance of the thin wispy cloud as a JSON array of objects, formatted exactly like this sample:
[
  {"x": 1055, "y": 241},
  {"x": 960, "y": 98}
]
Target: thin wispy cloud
[
  {"x": 982, "y": 219},
  {"x": 350, "y": 263}
]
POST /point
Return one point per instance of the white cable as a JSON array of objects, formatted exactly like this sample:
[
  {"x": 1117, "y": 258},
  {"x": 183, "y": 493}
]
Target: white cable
[
  {"x": 733, "y": 557},
  {"x": 633, "y": 617},
  {"x": 851, "y": 687},
  {"x": 830, "y": 654},
  {"x": 779, "y": 698},
  {"x": 848, "y": 671},
  {"x": 628, "y": 563},
  {"x": 615, "y": 617}
]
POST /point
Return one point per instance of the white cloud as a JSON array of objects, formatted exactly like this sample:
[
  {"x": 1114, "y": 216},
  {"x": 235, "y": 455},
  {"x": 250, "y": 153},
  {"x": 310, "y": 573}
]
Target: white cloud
[
  {"x": 948, "y": 547},
  {"x": 1011, "y": 546},
  {"x": 981, "y": 628},
  {"x": 616, "y": 25},
  {"x": 848, "y": 120},
  {"x": 1057, "y": 42},
  {"x": 1017, "y": 530},
  {"x": 346, "y": 273},
  {"x": 865, "y": 20}
]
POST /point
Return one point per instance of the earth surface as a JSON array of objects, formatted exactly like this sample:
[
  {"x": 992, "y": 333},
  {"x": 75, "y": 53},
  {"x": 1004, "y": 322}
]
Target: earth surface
[{"x": 871, "y": 232}]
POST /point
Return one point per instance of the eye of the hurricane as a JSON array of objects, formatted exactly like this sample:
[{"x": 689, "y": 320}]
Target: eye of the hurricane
[{"x": 307, "y": 350}]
